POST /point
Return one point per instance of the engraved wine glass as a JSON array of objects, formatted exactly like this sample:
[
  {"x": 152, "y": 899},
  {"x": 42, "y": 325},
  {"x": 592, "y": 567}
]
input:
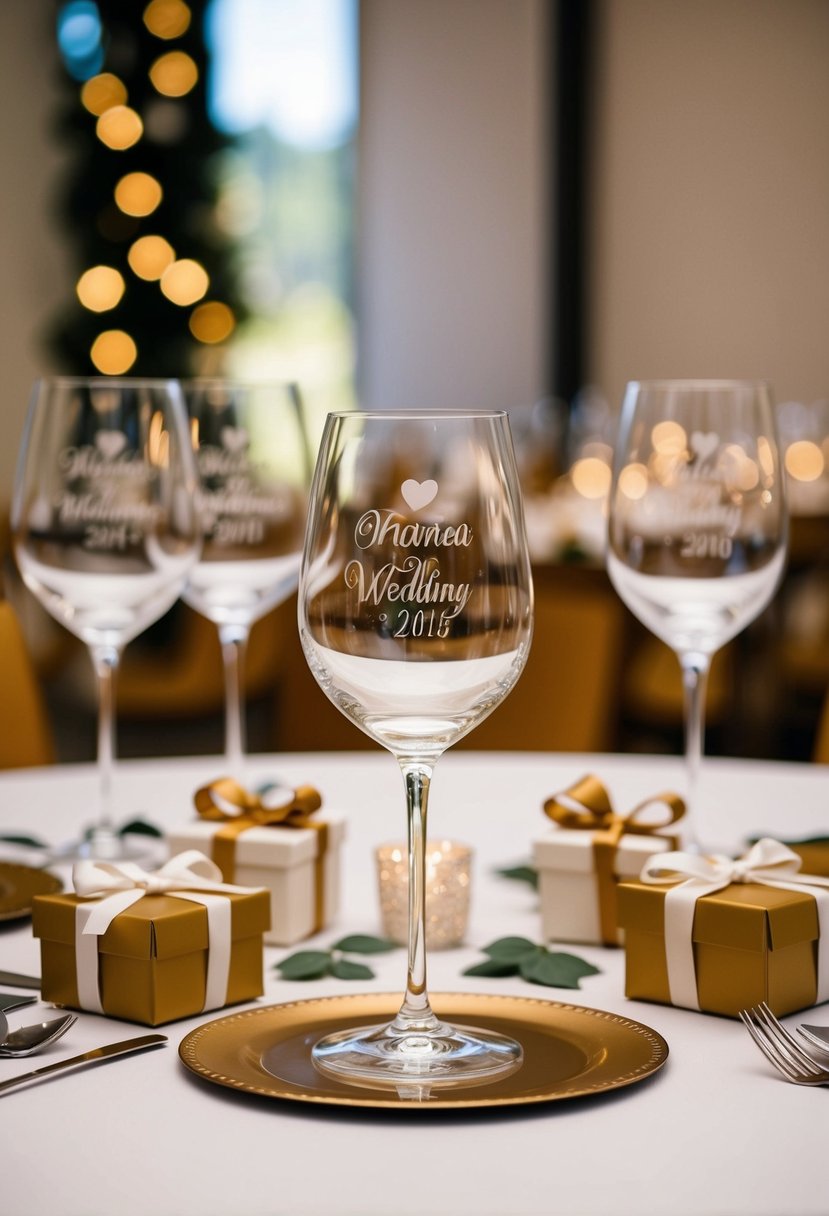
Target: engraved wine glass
[
  {"x": 415, "y": 615},
  {"x": 254, "y": 464},
  {"x": 697, "y": 526},
  {"x": 104, "y": 528}
]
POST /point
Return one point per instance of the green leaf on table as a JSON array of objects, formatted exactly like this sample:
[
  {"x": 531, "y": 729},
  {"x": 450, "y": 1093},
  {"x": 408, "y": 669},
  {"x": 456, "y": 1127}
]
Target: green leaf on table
[
  {"x": 522, "y": 873},
  {"x": 31, "y": 842},
  {"x": 364, "y": 943},
  {"x": 510, "y": 949},
  {"x": 537, "y": 964},
  {"x": 493, "y": 967},
  {"x": 314, "y": 964},
  {"x": 344, "y": 969},
  {"x": 140, "y": 827},
  {"x": 305, "y": 965},
  {"x": 555, "y": 970}
]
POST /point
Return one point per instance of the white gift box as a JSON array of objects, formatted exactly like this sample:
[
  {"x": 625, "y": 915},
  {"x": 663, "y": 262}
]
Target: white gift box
[
  {"x": 283, "y": 860},
  {"x": 568, "y": 884}
]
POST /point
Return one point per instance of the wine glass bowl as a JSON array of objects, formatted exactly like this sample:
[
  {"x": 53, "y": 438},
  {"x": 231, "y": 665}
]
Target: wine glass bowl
[
  {"x": 104, "y": 525},
  {"x": 697, "y": 524},
  {"x": 254, "y": 466},
  {"x": 415, "y": 617}
]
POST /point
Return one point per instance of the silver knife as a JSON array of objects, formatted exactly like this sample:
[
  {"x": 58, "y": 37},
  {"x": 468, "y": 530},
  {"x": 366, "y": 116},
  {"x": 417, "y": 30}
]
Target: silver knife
[
  {"x": 20, "y": 981},
  {"x": 88, "y": 1057}
]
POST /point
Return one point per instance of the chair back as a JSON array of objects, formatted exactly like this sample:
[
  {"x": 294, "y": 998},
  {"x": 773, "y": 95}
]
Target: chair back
[{"x": 25, "y": 733}]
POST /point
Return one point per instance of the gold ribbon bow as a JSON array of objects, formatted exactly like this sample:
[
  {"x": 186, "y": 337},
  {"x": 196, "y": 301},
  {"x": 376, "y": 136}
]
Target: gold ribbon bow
[
  {"x": 238, "y": 809},
  {"x": 586, "y": 806}
]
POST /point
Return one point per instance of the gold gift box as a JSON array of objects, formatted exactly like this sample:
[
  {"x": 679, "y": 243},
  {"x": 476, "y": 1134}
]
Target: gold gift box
[
  {"x": 752, "y": 943},
  {"x": 815, "y": 856},
  {"x": 153, "y": 957}
]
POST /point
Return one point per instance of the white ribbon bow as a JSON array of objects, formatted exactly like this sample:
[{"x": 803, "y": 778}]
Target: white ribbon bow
[
  {"x": 767, "y": 862},
  {"x": 115, "y": 886}
]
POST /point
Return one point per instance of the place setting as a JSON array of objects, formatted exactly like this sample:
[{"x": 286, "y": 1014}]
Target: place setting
[{"x": 416, "y": 617}]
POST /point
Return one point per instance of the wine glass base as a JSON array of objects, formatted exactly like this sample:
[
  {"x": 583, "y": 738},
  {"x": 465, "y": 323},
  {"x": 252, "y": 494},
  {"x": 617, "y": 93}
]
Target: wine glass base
[
  {"x": 104, "y": 845},
  {"x": 415, "y": 1060}
]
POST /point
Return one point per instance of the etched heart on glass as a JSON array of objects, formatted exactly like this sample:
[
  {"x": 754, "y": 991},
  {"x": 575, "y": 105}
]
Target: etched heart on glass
[
  {"x": 705, "y": 444},
  {"x": 234, "y": 438},
  {"x": 110, "y": 443},
  {"x": 418, "y": 494}
]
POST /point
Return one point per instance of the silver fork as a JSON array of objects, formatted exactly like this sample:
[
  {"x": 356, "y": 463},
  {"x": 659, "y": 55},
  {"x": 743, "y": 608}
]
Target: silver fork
[{"x": 781, "y": 1049}]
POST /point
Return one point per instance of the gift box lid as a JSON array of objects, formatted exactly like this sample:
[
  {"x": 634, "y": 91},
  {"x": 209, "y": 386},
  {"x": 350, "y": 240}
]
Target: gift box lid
[
  {"x": 572, "y": 849},
  {"x": 156, "y": 926},
  {"x": 275, "y": 846},
  {"x": 747, "y": 916}
]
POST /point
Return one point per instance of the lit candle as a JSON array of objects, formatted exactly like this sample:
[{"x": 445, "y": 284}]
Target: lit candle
[{"x": 448, "y": 867}]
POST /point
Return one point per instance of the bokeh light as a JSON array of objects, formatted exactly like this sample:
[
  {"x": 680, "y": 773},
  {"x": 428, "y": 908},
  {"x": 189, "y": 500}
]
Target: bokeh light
[
  {"x": 150, "y": 256},
  {"x": 113, "y": 352},
  {"x": 103, "y": 92},
  {"x": 765, "y": 455},
  {"x": 167, "y": 18},
  {"x": 212, "y": 322},
  {"x": 79, "y": 38},
  {"x": 174, "y": 74},
  {"x": 100, "y": 288},
  {"x": 119, "y": 128},
  {"x": 185, "y": 282},
  {"x": 138, "y": 194},
  {"x": 668, "y": 438},
  {"x": 633, "y": 481},
  {"x": 742, "y": 473},
  {"x": 591, "y": 477},
  {"x": 804, "y": 460}
]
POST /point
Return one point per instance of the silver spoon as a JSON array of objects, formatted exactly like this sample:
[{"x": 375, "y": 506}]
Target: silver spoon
[
  {"x": 29, "y": 1039},
  {"x": 818, "y": 1036}
]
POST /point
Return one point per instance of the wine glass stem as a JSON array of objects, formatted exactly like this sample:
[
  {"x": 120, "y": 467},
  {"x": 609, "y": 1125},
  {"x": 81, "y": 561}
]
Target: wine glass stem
[
  {"x": 105, "y": 660},
  {"x": 234, "y": 642},
  {"x": 415, "y": 1013},
  {"x": 695, "y": 669}
]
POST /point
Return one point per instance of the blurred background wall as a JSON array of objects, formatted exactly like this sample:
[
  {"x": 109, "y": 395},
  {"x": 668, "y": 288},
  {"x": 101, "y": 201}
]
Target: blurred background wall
[
  {"x": 709, "y": 247},
  {"x": 710, "y": 193}
]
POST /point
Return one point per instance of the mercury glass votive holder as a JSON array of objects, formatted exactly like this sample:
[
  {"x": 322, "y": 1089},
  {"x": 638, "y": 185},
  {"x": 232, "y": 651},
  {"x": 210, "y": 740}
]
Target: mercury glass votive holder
[{"x": 448, "y": 870}]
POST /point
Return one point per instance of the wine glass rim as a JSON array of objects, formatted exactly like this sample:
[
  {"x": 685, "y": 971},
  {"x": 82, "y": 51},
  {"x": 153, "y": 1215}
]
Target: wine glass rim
[
  {"x": 415, "y": 414},
  {"x": 233, "y": 382},
  {"x": 109, "y": 381},
  {"x": 709, "y": 385}
]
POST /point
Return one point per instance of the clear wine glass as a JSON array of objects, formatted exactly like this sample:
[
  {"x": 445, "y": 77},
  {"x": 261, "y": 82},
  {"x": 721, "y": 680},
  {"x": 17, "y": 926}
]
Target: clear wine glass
[
  {"x": 104, "y": 528},
  {"x": 697, "y": 526},
  {"x": 254, "y": 465},
  {"x": 415, "y": 615}
]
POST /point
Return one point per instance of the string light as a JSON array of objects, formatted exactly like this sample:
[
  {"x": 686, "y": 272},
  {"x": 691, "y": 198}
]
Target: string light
[
  {"x": 633, "y": 481},
  {"x": 113, "y": 352},
  {"x": 185, "y": 282},
  {"x": 100, "y": 288},
  {"x": 167, "y": 18},
  {"x": 212, "y": 322},
  {"x": 174, "y": 74},
  {"x": 103, "y": 92},
  {"x": 119, "y": 128},
  {"x": 138, "y": 194},
  {"x": 150, "y": 256},
  {"x": 804, "y": 460},
  {"x": 591, "y": 477},
  {"x": 669, "y": 438}
]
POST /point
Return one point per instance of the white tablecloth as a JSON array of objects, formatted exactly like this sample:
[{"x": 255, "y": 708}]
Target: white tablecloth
[{"x": 715, "y": 1132}]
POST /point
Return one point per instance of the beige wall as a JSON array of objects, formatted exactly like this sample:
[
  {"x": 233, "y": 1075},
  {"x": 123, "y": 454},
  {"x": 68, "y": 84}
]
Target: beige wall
[
  {"x": 32, "y": 269},
  {"x": 452, "y": 262},
  {"x": 711, "y": 205}
]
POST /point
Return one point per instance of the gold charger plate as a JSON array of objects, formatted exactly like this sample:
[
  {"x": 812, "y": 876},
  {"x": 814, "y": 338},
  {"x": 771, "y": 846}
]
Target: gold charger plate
[
  {"x": 569, "y": 1051},
  {"x": 18, "y": 887}
]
